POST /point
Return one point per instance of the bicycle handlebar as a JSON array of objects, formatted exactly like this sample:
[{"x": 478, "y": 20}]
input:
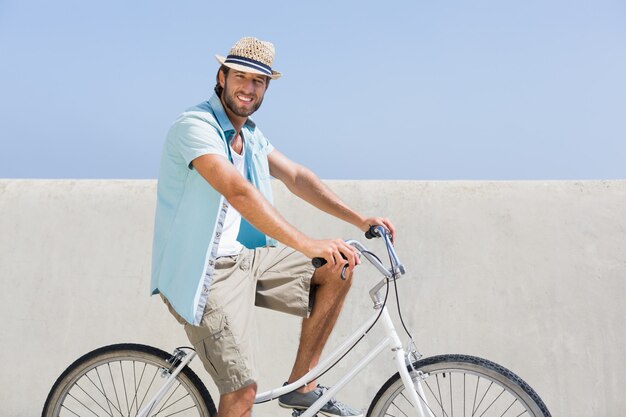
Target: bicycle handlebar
[
  {"x": 374, "y": 231},
  {"x": 371, "y": 233}
]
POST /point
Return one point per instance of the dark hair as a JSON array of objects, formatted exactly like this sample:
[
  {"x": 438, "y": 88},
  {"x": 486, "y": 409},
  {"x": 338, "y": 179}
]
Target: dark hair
[{"x": 218, "y": 88}]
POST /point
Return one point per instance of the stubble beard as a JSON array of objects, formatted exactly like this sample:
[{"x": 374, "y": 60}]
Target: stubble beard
[{"x": 231, "y": 103}]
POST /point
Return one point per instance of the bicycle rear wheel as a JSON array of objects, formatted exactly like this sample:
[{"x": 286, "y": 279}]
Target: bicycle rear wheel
[
  {"x": 118, "y": 380},
  {"x": 460, "y": 385}
]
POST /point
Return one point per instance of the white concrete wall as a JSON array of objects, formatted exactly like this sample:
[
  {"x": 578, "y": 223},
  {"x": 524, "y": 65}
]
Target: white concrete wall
[{"x": 529, "y": 274}]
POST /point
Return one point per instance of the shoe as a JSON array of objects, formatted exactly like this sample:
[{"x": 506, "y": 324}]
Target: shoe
[{"x": 332, "y": 408}]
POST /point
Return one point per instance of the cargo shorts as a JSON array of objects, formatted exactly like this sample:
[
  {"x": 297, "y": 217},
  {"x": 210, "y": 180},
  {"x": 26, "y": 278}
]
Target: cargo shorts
[{"x": 278, "y": 278}]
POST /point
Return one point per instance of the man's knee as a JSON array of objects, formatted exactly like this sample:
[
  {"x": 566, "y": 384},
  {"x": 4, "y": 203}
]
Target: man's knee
[
  {"x": 326, "y": 276},
  {"x": 247, "y": 392},
  {"x": 243, "y": 398}
]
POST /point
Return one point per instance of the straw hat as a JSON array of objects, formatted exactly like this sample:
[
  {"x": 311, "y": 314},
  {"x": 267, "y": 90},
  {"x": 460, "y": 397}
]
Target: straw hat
[{"x": 251, "y": 55}]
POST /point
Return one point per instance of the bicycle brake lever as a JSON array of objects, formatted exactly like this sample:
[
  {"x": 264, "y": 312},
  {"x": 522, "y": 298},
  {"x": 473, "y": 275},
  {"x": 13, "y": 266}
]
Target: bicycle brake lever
[{"x": 319, "y": 262}]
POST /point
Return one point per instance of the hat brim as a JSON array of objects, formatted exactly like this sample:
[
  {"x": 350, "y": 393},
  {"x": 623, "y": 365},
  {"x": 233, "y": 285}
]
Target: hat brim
[{"x": 222, "y": 60}]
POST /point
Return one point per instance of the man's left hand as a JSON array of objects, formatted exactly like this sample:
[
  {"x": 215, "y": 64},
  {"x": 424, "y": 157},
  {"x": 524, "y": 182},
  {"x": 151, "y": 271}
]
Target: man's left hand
[{"x": 379, "y": 221}]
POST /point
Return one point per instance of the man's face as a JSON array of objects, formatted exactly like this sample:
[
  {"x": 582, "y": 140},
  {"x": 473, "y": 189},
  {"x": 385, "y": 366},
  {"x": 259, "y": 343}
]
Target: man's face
[{"x": 243, "y": 92}]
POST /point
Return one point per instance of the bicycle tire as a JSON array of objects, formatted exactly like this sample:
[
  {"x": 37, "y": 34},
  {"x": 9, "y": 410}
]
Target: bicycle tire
[
  {"x": 460, "y": 385},
  {"x": 117, "y": 380}
]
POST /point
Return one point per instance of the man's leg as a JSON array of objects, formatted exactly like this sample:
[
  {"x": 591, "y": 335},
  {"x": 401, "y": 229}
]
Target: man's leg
[
  {"x": 237, "y": 403},
  {"x": 286, "y": 283},
  {"x": 224, "y": 340},
  {"x": 329, "y": 298}
]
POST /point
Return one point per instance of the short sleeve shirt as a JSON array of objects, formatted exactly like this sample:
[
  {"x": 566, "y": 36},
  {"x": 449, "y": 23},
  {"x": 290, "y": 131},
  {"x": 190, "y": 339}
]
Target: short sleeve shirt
[{"x": 188, "y": 213}]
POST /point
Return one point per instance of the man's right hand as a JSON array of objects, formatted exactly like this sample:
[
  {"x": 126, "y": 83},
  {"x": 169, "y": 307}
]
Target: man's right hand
[{"x": 332, "y": 250}]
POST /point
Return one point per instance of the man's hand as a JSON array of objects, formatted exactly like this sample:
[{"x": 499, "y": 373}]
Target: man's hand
[
  {"x": 332, "y": 251},
  {"x": 379, "y": 221}
]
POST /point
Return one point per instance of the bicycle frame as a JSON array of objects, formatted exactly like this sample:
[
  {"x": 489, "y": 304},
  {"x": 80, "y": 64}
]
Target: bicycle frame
[
  {"x": 402, "y": 359},
  {"x": 390, "y": 341}
]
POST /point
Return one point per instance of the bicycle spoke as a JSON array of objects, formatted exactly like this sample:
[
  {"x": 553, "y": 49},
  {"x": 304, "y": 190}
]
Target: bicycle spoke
[
  {"x": 119, "y": 407},
  {"x": 174, "y": 403},
  {"x": 163, "y": 407},
  {"x": 188, "y": 408},
  {"x": 451, "y": 407},
  {"x": 125, "y": 390},
  {"x": 103, "y": 391},
  {"x": 63, "y": 406},
  {"x": 136, "y": 398},
  {"x": 509, "y": 407},
  {"x": 492, "y": 403},
  {"x": 149, "y": 386},
  {"x": 423, "y": 401},
  {"x": 134, "y": 387},
  {"x": 475, "y": 396},
  {"x": 399, "y": 409},
  {"x": 464, "y": 397},
  {"x": 106, "y": 398},
  {"x": 440, "y": 401},
  {"x": 87, "y": 408},
  {"x": 435, "y": 398},
  {"x": 483, "y": 398},
  {"x": 177, "y": 401}
]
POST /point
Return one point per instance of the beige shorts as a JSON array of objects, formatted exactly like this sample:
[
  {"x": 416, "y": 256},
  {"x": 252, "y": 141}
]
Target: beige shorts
[{"x": 277, "y": 278}]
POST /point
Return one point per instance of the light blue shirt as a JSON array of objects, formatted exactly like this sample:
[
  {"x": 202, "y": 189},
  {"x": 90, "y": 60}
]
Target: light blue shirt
[{"x": 190, "y": 213}]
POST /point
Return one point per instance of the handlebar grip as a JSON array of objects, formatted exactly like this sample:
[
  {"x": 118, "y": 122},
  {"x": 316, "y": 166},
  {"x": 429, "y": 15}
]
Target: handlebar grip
[
  {"x": 373, "y": 232},
  {"x": 318, "y": 262}
]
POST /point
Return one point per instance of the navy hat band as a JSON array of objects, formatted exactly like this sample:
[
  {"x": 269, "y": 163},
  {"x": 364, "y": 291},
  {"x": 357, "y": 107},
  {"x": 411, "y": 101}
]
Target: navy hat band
[{"x": 250, "y": 63}]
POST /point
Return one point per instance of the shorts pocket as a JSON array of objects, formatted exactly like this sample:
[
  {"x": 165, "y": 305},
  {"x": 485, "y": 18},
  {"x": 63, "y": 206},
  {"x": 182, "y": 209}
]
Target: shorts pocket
[
  {"x": 226, "y": 262},
  {"x": 215, "y": 344}
]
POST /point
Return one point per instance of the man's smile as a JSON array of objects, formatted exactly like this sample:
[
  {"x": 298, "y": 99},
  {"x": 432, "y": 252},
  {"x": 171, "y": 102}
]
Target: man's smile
[{"x": 245, "y": 99}]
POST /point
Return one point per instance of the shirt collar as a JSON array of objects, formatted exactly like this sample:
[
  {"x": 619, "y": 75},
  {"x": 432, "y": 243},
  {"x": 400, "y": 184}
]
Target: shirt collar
[{"x": 222, "y": 118}]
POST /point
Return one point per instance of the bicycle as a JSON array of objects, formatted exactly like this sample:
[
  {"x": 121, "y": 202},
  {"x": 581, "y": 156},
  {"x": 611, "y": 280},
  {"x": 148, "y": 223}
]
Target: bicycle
[{"x": 120, "y": 379}]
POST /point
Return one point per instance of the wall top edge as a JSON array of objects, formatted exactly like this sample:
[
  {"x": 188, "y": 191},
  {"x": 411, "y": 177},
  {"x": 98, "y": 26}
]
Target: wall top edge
[{"x": 338, "y": 181}]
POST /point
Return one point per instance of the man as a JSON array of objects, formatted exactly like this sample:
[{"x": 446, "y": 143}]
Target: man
[{"x": 215, "y": 253}]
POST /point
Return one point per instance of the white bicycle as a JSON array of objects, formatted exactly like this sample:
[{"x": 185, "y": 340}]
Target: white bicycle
[{"x": 132, "y": 380}]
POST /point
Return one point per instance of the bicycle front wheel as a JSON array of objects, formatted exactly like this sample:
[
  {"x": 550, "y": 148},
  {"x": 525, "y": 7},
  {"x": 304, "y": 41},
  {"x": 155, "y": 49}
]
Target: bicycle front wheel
[
  {"x": 118, "y": 380},
  {"x": 460, "y": 385}
]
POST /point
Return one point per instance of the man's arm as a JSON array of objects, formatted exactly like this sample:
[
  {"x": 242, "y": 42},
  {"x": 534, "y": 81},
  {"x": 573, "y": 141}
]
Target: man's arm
[
  {"x": 251, "y": 204},
  {"x": 305, "y": 184}
]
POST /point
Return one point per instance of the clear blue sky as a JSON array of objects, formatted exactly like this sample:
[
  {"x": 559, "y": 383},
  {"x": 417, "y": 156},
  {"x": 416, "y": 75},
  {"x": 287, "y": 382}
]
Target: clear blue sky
[{"x": 490, "y": 89}]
